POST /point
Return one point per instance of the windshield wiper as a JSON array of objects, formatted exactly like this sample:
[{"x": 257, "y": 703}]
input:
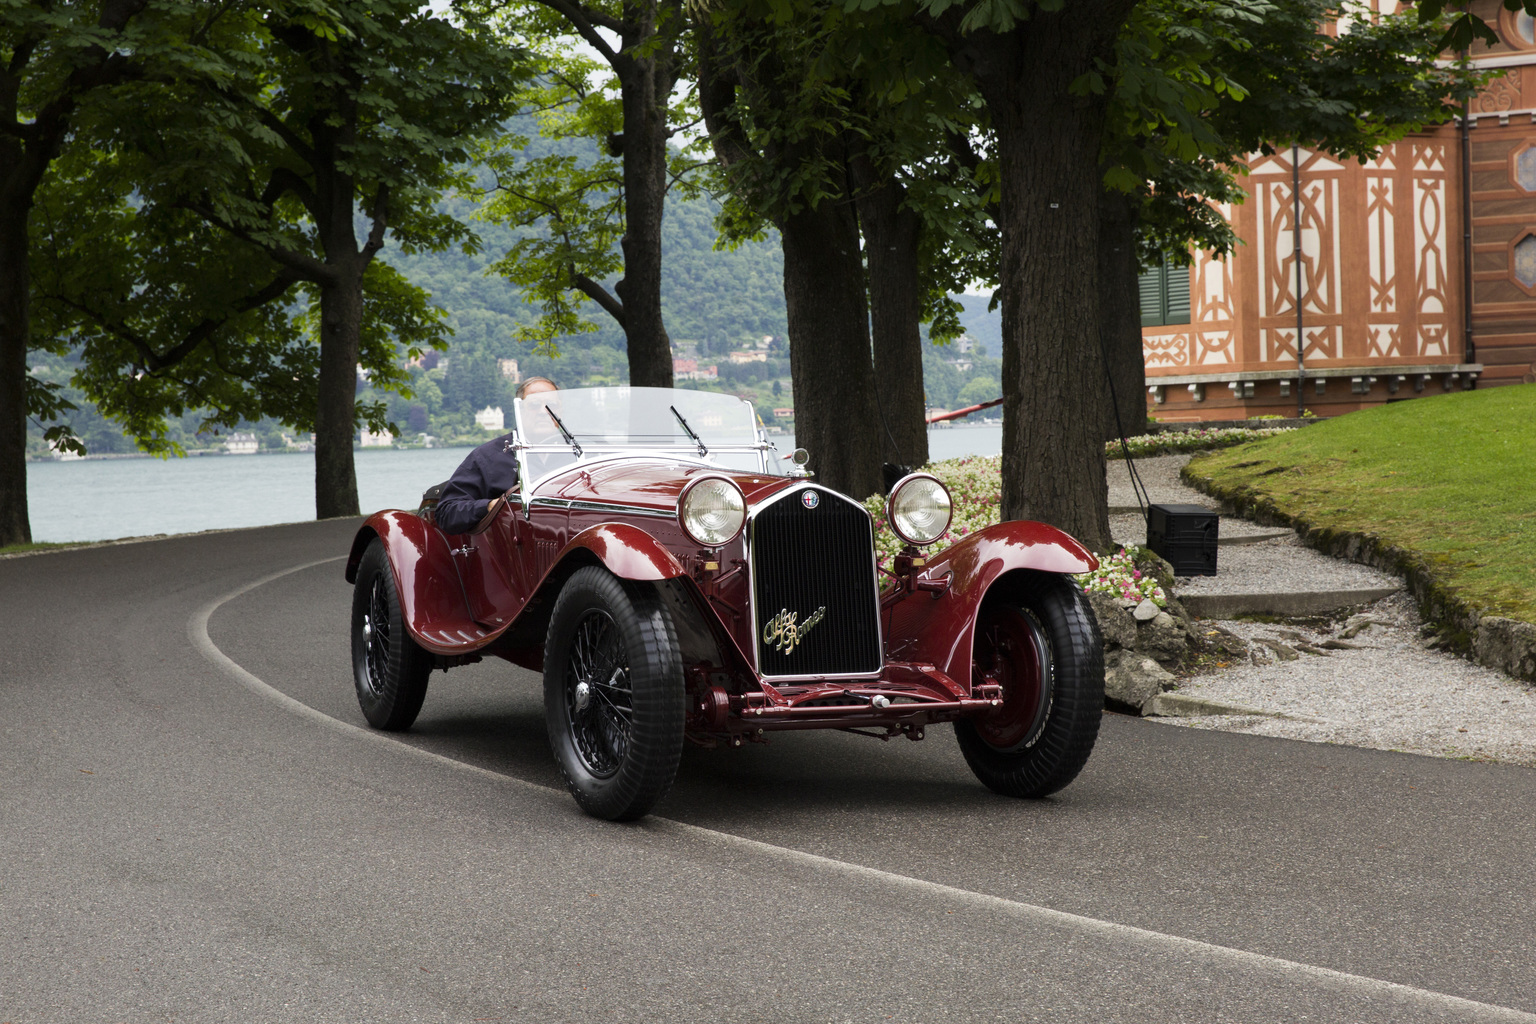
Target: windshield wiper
[
  {"x": 569, "y": 439},
  {"x": 689, "y": 430}
]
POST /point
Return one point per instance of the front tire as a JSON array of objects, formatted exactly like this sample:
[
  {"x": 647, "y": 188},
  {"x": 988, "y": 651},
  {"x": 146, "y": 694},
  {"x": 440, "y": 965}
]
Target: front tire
[
  {"x": 1044, "y": 649},
  {"x": 614, "y": 698},
  {"x": 389, "y": 669}
]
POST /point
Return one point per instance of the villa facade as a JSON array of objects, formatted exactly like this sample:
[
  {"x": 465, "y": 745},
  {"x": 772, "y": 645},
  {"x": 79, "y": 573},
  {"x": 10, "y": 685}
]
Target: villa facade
[{"x": 1417, "y": 270}]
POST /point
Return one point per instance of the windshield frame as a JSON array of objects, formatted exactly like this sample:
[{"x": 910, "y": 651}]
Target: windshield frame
[{"x": 583, "y": 448}]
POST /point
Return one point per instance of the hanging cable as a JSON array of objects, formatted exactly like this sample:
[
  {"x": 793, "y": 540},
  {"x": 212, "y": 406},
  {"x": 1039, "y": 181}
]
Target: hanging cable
[{"x": 1137, "y": 488}]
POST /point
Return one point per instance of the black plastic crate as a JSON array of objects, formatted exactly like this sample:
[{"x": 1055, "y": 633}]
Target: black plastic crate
[{"x": 1185, "y": 536}]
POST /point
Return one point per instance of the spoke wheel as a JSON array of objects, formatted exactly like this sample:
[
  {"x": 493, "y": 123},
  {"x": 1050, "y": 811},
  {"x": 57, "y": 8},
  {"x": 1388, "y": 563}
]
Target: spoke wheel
[
  {"x": 1042, "y": 646},
  {"x": 598, "y": 699},
  {"x": 1012, "y": 651},
  {"x": 389, "y": 670},
  {"x": 614, "y": 698}
]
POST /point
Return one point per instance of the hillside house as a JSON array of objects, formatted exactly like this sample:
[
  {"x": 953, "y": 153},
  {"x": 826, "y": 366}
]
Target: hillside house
[{"x": 240, "y": 444}]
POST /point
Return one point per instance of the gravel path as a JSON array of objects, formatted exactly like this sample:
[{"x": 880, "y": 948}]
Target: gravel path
[
  {"x": 1279, "y": 566},
  {"x": 1282, "y": 565},
  {"x": 1160, "y": 476},
  {"x": 1391, "y": 693},
  {"x": 1131, "y": 528}
]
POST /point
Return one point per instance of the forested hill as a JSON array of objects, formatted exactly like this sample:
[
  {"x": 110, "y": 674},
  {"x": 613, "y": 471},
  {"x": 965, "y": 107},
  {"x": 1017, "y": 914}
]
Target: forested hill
[
  {"x": 714, "y": 301},
  {"x": 720, "y": 298}
]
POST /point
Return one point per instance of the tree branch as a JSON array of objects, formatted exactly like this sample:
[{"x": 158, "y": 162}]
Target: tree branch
[
  {"x": 155, "y": 362},
  {"x": 600, "y": 295},
  {"x": 306, "y": 267},
  {"x": 380, "y": 215},
  {"x": 586, "y": 22},
  {"x": 285, "y": 179}
]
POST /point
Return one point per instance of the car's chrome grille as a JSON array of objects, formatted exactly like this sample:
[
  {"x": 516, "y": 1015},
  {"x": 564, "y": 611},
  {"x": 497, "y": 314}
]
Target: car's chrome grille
[{"x": 810, "y": 562}]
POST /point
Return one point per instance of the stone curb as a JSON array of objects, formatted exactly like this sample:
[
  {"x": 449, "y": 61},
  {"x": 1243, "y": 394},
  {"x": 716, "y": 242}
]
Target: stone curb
[
  {"x": 1506, "y": 645},
  {"x": 1284, "y": 604},
  {"x": 1254, "y": 538},
  {"x": 1183, "y": 705}
]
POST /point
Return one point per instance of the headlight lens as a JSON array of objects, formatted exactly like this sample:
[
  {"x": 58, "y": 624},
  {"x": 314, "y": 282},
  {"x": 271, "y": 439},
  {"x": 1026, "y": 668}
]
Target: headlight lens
[
  {"x": 712, "y": 511},
  {"x": 918, "y": 509}
]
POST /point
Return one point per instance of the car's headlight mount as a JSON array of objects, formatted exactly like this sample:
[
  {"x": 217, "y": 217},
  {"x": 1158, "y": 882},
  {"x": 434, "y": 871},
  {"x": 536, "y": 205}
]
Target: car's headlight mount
[
  {"x": 918, "y": 509},
  {"x": 712, "y": 511}
]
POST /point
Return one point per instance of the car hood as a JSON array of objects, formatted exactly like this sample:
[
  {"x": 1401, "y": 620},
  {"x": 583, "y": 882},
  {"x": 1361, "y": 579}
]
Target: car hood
[{"x": 649, "y": 482}]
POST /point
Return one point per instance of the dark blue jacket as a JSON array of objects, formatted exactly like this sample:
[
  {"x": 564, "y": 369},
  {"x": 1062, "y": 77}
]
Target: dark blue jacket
[{"x": 488, "y": 472}]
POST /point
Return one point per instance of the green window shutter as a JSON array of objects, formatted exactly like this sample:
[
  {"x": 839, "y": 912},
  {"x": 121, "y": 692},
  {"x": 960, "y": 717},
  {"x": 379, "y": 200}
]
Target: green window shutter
[
  {"x": 1151, "y": 288},
  {"x": 1164, "y": 295},
  {"x": 1177, "y": 309}
]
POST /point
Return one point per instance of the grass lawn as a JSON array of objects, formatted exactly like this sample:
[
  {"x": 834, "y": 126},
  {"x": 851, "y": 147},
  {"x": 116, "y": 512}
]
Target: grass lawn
[
  {"x": 1451, "y": 478},
  {"x": 22, "y": 549}
]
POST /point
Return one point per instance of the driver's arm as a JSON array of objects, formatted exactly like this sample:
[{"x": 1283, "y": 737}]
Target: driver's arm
[{"x": 473, "y": 495}]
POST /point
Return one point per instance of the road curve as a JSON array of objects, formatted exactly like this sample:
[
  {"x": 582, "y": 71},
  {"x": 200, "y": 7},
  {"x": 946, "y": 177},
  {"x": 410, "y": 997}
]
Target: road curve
[{"x": 195, "y": 825}]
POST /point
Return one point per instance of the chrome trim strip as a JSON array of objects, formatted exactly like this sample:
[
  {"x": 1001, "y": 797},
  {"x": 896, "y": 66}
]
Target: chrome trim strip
[
  {"x": 577, "y": 505},
  {"x": 752, "y": 512}
]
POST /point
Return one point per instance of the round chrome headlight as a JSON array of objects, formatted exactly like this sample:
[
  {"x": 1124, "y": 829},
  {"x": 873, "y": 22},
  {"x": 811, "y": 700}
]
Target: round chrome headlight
[
  {"x": 712, "y": 511},
  {"x": 918, "y": 509}
]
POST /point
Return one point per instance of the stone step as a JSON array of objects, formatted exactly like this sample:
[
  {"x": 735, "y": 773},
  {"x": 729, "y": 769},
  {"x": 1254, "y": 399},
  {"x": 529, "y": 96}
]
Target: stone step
[
  {"x": 1184, "y": 705},
  {"x": 1285, "y": 604}
]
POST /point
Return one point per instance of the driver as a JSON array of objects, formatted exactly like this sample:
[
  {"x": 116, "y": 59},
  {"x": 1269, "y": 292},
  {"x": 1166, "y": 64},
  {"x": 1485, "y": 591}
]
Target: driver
[{"x": 473, "y": 495}]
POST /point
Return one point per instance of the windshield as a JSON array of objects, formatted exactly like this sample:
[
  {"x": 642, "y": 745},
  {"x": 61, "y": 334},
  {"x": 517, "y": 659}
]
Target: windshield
[{"x": 719, "y": 429}]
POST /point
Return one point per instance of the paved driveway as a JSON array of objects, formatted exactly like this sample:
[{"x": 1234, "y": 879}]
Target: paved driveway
[{"x": 194, "y": 828}]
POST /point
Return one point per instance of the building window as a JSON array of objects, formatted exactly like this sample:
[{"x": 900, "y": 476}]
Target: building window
[
  {"x": 1521, "y": 29},
  {"x": 1165, "y": 295},
  {"x": 1522, "y": 261},
  {"x": 1522, "y": 167}
]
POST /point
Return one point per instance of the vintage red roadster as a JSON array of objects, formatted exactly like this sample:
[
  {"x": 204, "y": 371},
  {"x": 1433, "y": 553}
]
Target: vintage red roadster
[{"x": 676, "y": 579}]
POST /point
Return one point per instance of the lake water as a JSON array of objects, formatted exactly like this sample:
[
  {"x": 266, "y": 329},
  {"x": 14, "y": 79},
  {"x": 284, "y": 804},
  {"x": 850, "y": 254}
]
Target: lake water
[{"x": 103, "y": 499}]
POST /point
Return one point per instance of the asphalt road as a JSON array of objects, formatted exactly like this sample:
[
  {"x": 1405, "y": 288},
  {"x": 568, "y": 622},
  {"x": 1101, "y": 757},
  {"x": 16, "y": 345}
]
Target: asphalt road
[{"x": 193, "y": 827}]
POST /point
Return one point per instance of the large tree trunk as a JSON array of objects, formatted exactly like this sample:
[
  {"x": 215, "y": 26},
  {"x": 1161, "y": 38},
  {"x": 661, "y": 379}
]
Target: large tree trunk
[
  {"x": 15, "y": 526},
  {"x": 646, "y": 86},
  {"x": 891, "y": 235},
  {"x": 1120, "y": 314},
  {"x": 835, "y": 415},
  {"x": 341, "y": 323},
  {"x": 1053, "y": 380}
]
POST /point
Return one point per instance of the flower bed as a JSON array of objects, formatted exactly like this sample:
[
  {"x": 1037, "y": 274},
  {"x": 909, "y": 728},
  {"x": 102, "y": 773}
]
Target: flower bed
[
  {"x": 975, "y": 488},
  {"x": 1176, "y": 441}
]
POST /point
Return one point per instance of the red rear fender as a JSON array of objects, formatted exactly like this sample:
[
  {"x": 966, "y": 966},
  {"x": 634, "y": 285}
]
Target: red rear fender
[
  {"x": 431, "y": 597},
  {"x": 937, "y": 627}
]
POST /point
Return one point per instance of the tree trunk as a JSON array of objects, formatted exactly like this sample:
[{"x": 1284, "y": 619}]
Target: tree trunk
[
  {"x": 891, "y": 236},
  {"x": 15, "y": 526},
  {"x": 341, "y": 323},
  {"x": 1053, "y": 381},
  {"x": 646, "y": 86},
  {"x": 836, "y": 419},
  {"x": 1120, "y": 314}
]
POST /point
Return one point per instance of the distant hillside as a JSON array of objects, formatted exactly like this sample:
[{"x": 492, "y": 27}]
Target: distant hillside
[
  {"x": 714, "y": 302},
  {"x": 985, "y": 327}
]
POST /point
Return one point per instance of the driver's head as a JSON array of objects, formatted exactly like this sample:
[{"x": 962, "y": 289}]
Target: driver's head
[{"x": 535, "y": 386}]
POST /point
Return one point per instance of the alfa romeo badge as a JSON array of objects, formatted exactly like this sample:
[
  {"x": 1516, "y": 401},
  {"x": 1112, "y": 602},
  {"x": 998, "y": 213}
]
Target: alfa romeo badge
[{"x": 810, "y": 499}]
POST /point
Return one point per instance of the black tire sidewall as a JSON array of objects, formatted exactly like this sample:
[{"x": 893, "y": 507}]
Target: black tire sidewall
[
  {"x": 1076, "y": 699},
  {"x": 398, "y": 702},
  {"x": 656, "y": 692}
]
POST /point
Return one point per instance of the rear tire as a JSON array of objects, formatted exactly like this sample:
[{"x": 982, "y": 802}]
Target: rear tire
[
  {"x": 614, "y": 699},
  {"x": 389, "y": 669},
  {"x": 1046, "y": 652}
]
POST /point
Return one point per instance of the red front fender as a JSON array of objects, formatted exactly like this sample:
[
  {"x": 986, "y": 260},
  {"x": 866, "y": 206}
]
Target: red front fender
[
  {"x": 938, "y": 627},
  {"x": 627, "y": 552}
]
